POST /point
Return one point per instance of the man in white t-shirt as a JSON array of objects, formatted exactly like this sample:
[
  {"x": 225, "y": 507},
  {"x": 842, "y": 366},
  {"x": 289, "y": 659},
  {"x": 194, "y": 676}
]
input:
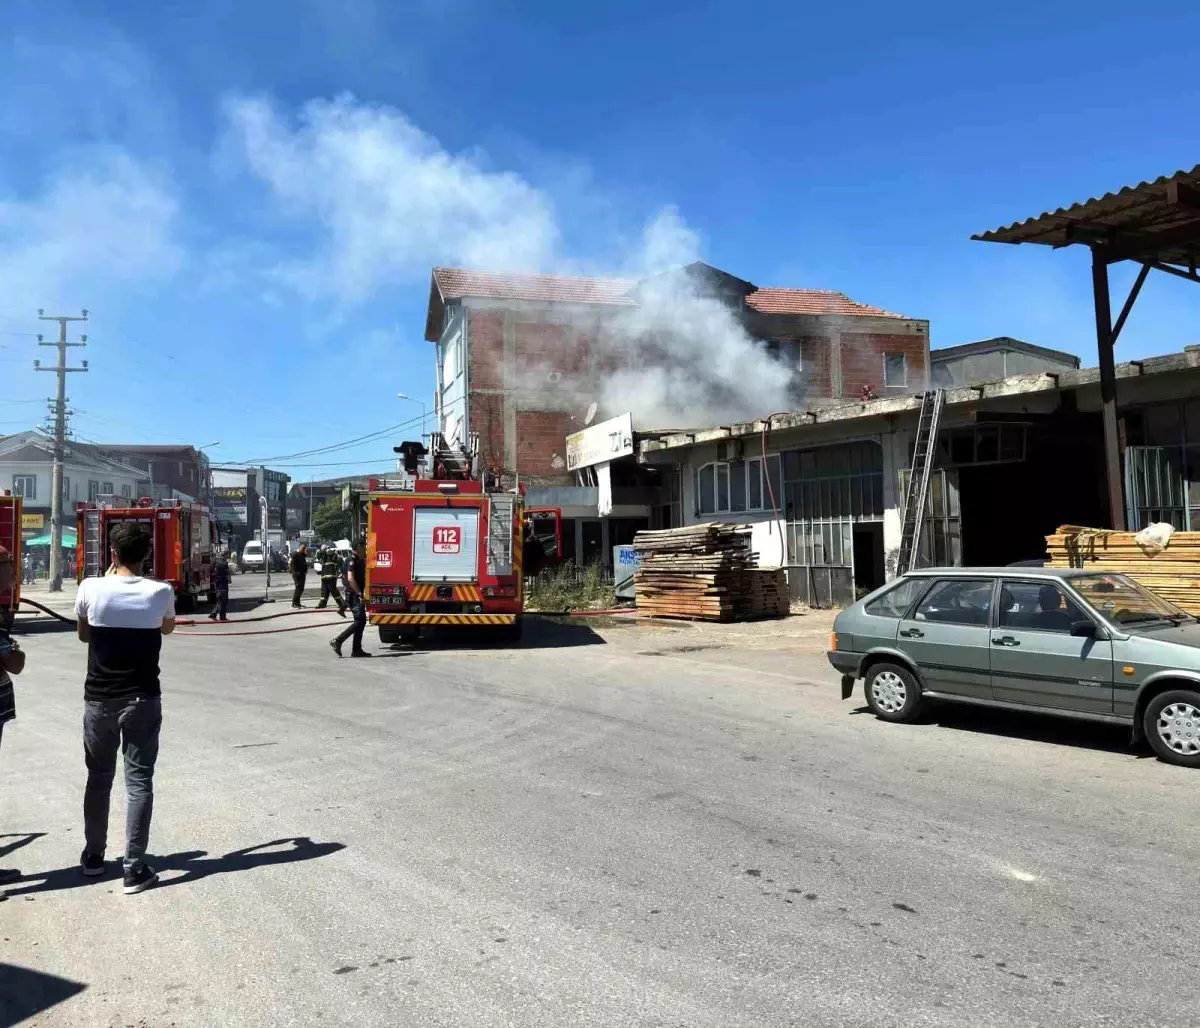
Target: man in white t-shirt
[{"x": 122, "y": 617}]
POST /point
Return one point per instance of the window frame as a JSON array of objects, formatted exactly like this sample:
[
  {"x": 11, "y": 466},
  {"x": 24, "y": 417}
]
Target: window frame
[
  {"x": 992, "y": 582},
  {"x": 1040, "y": 583},
  {"x": 891, "y": 587},
  {"x": 106, "y": 489},
  {"x": 904, "y": 361},
  {"x": 719, "y": 468},
  {"x": 19, "y": 491}
]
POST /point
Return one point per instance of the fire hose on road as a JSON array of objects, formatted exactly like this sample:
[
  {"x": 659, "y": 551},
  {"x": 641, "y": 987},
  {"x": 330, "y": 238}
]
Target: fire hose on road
[{"x": 206, "y": 622}]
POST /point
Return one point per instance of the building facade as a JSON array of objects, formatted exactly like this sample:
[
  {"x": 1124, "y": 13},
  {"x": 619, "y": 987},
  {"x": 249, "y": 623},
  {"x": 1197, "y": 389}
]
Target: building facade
[
  {"x": 1015, "y": 458},
  {"x": 26, "y": 467},
  {"x": 171, "y": 472},
  {"x": 990, "y": 360},
  {"x": 521, "y": 359},
  {"x": 236, "y": 494}
]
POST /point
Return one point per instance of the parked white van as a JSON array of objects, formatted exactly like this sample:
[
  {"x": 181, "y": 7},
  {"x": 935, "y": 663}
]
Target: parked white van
[{"x": 252, "y": 557}]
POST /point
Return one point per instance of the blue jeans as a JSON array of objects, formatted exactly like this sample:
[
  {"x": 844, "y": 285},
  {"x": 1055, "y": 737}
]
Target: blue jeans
[{"x": 130, "y": 724}]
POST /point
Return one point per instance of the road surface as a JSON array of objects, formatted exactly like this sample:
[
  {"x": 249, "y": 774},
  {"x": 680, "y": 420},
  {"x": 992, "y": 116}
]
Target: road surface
[{"x": 620, "y": 827}]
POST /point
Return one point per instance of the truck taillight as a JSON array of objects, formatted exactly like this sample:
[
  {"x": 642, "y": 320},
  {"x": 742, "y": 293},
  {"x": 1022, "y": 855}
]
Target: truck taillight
[{"x": 492, "y": 591}]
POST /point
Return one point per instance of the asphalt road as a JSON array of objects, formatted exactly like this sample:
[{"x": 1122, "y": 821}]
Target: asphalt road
[{"x": 616, "y": 828}]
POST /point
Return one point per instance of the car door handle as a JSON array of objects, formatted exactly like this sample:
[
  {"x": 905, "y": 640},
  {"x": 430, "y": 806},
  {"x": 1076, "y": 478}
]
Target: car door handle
[
  {"x": 1005, "y": 640},
  {"x": 912, "y": 633}
]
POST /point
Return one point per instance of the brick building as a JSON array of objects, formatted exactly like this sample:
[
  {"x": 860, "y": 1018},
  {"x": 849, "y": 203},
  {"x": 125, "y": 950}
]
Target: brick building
[
  {"x": 520, "y": 359},
  {"x": 519, "y": 355}
]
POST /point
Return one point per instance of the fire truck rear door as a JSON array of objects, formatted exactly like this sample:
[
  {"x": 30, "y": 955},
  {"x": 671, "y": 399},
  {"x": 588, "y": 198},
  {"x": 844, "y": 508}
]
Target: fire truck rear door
[{"x": 446, "y": 544}]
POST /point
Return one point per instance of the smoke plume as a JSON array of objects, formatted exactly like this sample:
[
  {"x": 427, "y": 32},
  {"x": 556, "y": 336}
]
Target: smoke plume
[{"x": 390, "y": 202}]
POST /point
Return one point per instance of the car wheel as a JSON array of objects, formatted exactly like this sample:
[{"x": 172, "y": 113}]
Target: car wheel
[
  {"x": 892, "y": 692},
  {"x": 1172, "y": 724}
]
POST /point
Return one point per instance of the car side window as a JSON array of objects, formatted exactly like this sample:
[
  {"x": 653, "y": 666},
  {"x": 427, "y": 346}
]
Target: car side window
[
  {"x": 895, "y": 602},
  {"x": 957, "y": 601},
  {"x": 1038, "y": 607}
]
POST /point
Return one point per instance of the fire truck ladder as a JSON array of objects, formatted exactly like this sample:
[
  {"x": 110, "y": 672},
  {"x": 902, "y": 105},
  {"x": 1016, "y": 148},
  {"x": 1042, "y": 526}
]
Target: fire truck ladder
[
  {"x": 93, "y": 555},
  {"x": 500, "y": 534},
  {"x": 924, "y": 454}
]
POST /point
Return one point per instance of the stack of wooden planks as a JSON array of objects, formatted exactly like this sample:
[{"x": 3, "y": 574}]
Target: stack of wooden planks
[
  {"x": 1172, "y": 573},
  {"x": 707, "y": 572}
]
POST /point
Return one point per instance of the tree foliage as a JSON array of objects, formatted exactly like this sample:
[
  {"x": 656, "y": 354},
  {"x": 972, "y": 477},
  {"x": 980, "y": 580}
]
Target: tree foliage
[{"x": 330, "y": 522}]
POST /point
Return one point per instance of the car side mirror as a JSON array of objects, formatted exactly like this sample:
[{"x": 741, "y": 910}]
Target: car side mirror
[{"x": 1085, "y": 629}]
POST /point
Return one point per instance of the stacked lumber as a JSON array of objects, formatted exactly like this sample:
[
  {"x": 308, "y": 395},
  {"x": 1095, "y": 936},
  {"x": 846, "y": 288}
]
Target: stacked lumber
[
  {"x": 1172, "y": 573},
  {"x": 703, "y": 571},
  {"x": 771, "y": 595}
]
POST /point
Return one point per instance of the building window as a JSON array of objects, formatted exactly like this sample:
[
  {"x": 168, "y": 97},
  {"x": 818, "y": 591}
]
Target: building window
[
  {"x": 727, "y": 487},
  {"x": 826, "y": 491},
  {"x": 93, "y": 490},
  {"x": 895, "y": 370},
  {"x": 126, "y": 492},
  {"x": 25, "y": 486},
  {"x": 107, "y": 489}
]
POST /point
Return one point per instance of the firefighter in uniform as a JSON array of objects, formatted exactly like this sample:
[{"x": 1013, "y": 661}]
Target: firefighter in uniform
[
  {"x": 356, "y": 581},
  {"x": 331, "y": 570},
  {"x": 298, "y": 566}
]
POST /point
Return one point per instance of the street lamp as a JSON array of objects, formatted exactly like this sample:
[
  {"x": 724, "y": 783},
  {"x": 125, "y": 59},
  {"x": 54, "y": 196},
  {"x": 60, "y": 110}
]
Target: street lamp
[{"x": 405, "y": 396}]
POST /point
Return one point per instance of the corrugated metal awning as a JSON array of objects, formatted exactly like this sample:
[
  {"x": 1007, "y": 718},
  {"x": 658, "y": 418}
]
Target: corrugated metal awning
[{"x": 1152, "y": 222}]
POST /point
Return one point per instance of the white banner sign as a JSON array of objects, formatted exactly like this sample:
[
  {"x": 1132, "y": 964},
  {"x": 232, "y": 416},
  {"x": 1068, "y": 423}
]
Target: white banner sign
[{"x": 606, "y": 441}]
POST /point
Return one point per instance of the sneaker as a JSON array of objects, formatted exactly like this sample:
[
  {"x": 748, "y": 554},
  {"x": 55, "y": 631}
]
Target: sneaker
[
  {"x": 335, "y": 646},
  {"x": 139, "y": 879},
  {"x": 358, "y": 653},
  {"x": 342, "y": 612},
  {"x": 92, "y": 864},
  {"x": 212, "y": 617},
  {"x": 223, "y": 620}
]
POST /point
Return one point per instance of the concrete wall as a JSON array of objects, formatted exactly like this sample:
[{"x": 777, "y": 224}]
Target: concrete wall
[{"x": 991, "y": 366}]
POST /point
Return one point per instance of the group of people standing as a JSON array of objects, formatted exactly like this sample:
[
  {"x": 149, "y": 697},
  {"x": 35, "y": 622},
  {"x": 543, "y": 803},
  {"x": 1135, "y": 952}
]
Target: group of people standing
[{"x": 353, "y": 574}]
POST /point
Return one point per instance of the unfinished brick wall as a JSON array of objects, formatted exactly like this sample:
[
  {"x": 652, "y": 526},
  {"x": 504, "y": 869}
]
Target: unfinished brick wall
[
  {"x": 541, "y": 444},
  {"x": 863, "y": 357}
]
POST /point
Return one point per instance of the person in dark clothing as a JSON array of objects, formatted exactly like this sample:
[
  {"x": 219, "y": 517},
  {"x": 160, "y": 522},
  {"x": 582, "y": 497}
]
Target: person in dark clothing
[
  {"x": 356, "y": 582},
  {"x": 12, "y": 662},
  {"x": 220, "y": 584},
  {"x": 331, "y": 569},
  {"x": 298, "y": 566}
]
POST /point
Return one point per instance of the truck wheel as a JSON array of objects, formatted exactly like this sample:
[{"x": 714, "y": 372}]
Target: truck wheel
[
  {"x": 185, "y": 603},
  {"x": 388, "y": 635},
  {"x": 1172, "y": 726},
  {"x": 411, "y": 637},
  {"x": 211, "y": 598},
  {"x": 511, "y": 634}
]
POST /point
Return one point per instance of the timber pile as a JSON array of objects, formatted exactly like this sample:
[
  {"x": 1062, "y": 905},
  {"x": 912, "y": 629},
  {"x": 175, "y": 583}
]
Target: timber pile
[
  {"x": 1172, "y": 573},
  {"x": 707, "y": 572}
]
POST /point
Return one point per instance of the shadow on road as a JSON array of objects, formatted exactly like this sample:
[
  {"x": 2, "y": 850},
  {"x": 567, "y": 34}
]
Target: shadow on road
[
  {"x": 538, "y": 633},
  {"x": 40, "y": 624},
  {"x": 194, "y": 865},
  {"x": 22, "y": 839},
  {"x": 24, "y": 993},
  {"x": 1012, "y": 724}
]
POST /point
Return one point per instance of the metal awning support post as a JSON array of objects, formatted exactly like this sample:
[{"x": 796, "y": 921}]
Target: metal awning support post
[{"x": 1108, "y": 390}]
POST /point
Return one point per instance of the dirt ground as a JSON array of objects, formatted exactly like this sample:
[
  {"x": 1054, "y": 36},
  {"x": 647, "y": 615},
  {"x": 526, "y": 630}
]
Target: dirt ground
[{"x": 805, "y": 632}]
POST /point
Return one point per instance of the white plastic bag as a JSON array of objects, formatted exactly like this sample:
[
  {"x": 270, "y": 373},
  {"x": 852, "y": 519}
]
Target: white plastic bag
[{"x": 1153, "y": 539}]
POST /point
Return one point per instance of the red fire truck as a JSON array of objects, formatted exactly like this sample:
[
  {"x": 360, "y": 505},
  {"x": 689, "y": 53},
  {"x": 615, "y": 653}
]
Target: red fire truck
[
  {"x": 183, "y": 537},
  {"x": 449, "y": 550},
  {"x": 10, "y": 553}
]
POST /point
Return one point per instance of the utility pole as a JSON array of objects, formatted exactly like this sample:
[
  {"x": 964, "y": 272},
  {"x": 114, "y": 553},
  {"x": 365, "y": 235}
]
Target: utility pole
[{"x": 60, "y": 436}]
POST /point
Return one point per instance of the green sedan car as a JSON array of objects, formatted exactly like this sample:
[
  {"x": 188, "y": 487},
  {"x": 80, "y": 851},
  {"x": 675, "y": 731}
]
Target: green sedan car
[{"x": 1071, "y": 642}]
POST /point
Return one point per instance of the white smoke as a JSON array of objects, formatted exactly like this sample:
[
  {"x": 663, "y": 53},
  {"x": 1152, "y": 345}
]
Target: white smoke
[{"x": 391, "y": 202}]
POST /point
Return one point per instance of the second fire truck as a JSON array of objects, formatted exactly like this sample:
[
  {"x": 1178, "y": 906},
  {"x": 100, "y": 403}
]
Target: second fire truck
[{"x": 183, "y": 537}]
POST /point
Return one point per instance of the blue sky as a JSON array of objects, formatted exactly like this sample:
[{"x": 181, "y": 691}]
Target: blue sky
[{"x": 249, "y": 195}]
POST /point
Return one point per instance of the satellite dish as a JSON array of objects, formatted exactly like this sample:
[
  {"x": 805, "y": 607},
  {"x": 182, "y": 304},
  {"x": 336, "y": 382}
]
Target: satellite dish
[{"x": 590, "y": 416}]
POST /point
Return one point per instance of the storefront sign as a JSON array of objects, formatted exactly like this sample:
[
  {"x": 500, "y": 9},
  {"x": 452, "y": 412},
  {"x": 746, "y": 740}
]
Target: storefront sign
[
  {"x": 34, "y": 521},
  {"x": 606, "y": 441}
]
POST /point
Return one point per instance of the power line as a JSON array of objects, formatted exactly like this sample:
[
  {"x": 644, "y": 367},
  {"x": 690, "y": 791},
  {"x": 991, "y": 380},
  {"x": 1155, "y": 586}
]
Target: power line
[{"x": 331, "y": 448}]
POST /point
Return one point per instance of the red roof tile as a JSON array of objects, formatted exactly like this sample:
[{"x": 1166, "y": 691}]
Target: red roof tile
[
  {"x": 456, "y": 282},
  {"x": 812, "y": 301}
]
